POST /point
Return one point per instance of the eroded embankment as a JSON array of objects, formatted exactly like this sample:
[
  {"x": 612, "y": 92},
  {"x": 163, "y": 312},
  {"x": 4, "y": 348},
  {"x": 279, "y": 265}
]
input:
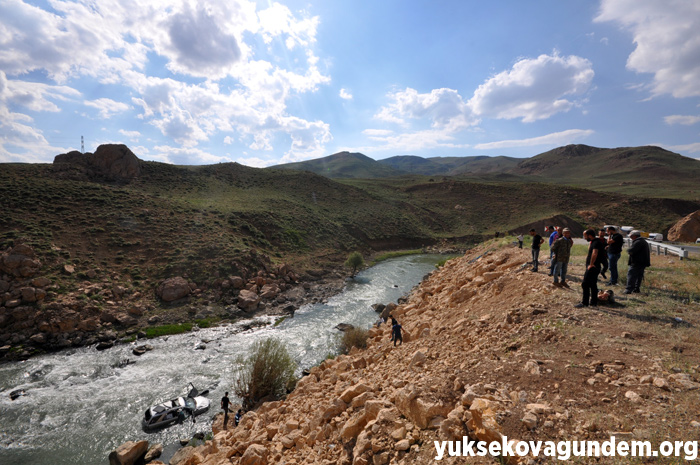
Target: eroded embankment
[{"x": 489, "y": 349}]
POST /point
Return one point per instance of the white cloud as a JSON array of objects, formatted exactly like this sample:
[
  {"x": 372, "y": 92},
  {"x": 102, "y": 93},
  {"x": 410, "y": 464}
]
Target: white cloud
[
  {"x": 345, "y": 95},
  {"x": 686, "y": 120},
  {"x": 555, "y": 139},
  {"x": 445, "y": 109},
  {"x": 256, "y": 162},
  {"x": 220, "y": 83},
  {"x": 186, "y": 156},
  {"x": 666, "y": 38},
  {"x": 107, "y": 107},
  {"x": 533, "y": 89},
  {"x": 688, "y": 148},
  {"x": 410, "y": 141},
  {"x": 228, "y": 140},
  {"x": 131, "y": 135}
]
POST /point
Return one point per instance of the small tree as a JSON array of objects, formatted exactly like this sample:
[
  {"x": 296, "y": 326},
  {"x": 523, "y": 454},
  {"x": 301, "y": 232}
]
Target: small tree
[
  {"x": 354, "y": 337},
  {"x": 354, "y": 261},
  {"x": 266, "y": 373}
]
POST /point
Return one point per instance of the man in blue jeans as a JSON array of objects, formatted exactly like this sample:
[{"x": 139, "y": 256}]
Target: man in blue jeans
[
  {"x": 536, "y": 243},
  {"x": 615, "y": 243}
]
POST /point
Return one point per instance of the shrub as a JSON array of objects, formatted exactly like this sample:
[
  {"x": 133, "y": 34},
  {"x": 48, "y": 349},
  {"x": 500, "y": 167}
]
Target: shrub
[
  {"x": 265, "y": 374},
  {"x": 355, "y": 337},
  {"x": 354, "y": 261}
]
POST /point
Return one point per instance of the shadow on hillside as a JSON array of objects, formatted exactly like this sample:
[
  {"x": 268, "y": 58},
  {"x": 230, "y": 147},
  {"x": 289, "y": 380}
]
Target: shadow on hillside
[{"x": 619, "y": 310}]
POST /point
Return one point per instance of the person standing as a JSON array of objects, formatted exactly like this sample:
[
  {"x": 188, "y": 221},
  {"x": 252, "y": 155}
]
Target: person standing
[
  {"x": 536, "y": 243},
  {"x": 396, "y": 333},
  {"x": 640, "y": 258},
  {"x": 596, "y": 249},
  {"x": 604, "y": 262},
  {"x": 614, "y": 251},
  {"x": 520, "y": 241},
  {"x": 224, "y": 406},
  {"x": 561, "y": 250},
  {"x": 553, "y": 236}
]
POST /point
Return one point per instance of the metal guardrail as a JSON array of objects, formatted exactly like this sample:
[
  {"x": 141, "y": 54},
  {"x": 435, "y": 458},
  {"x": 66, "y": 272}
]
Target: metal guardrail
[{"x": 662, "y": 248}]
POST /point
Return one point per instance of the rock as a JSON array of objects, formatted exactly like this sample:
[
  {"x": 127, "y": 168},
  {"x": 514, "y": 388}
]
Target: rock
[
  {"x": 532, "y": 367},
  {"x": 418, "y": 359},
  {"x": 110, "y": 161},
  {"x": 403, "y": 444},
  {"x": 41, "y": 282},
  {"x": 354, "y": 391},
  {"x": 684, "y": 381},
  {"x": 344, "y": 327},
  {"x": 104, "y": 345},
  {"x": 19, "y": 261},
  {"x": 173, "y": 289},
  {"x": 248, "y": 300},
  {"x": 686, "y": 229},
  {"x": 530, "y": 420},
  {"x": 633, "y": 397},
  {"x": 237, "y": 282},
  {"x": 255, "y": 454},
  {"x": 153, "y": 453},
  {"x": 695, "y": 424},
  {"x": 142, "y": 349},
  {"x": 38, "y": 338},
  {"x": 661, "y": 383},
  {"x": 182, "y": 455},
  {"x": 70, "y": 269},
  {"x": 269, "y": 291},
  {"x": 128, "y": 453}
]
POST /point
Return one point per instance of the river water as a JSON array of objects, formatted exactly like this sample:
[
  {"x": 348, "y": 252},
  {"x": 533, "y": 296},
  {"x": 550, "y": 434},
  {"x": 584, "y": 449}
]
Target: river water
[{"x": 80, "y": 404}]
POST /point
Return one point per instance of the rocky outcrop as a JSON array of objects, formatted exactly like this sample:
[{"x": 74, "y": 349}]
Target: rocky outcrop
[
  {"x": 686, "y": 229},
  {"x": 128, "y": 453},
  {"x": 113, "y": 162},
  {"x": 173, "y": 289}
]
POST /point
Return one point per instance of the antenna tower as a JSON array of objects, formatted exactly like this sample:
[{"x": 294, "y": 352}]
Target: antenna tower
[{"x": 82, "y": 145}]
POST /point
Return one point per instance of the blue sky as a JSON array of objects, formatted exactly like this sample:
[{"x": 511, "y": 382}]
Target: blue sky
[{"x": 262, "y": 83}]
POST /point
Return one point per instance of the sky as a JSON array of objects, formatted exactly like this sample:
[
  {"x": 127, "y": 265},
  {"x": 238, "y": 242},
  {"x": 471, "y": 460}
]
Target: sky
[{"x": 263, "y": 83}]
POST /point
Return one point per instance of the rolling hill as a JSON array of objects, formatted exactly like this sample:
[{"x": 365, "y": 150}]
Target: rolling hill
[{"x": 647, "y": 171}]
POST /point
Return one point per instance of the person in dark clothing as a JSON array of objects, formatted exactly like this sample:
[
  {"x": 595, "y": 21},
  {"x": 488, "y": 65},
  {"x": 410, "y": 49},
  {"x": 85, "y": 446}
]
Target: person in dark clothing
[
  {"x": 596, "y": 249},
  {"x": 604, "y": 261},
  {"x": 640, "y": 258},
  {"x": 554, "y": 234},
  {"x": 615, "y": 242},
  {"x": 393, "y": 323},
  {"x": 536, "y": 243},
  {"x": 237, "y": 417},
  {"x": 396, "y": 332},
  {"x": 224, "y": 406}
]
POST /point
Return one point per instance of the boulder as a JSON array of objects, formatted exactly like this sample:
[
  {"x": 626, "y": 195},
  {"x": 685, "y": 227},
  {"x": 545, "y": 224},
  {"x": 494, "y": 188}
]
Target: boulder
[
  {"x": 128, "y": 453},
  {"x": 687, "y": 229},
  {"x": 255, "y": 454},
  {"x": 248, "y": 300},
  {"x": 269, "y": 291},
  {"x": 173, "y": 289},
  {"x": 182, "y": 455},
  {"x": 236, "y": 282},
  {"x": 153, "y": 453},
  {"x": 20, "y": 261}
]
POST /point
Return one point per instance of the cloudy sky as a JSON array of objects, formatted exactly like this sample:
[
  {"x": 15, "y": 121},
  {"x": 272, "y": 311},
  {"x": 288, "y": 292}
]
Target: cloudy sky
[{"x": 262, "y": 83}]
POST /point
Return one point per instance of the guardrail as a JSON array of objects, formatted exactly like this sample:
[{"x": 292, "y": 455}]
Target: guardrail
[{"x": 662, "y": 248}]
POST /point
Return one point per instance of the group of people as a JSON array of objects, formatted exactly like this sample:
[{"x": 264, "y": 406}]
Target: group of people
[
  {"x": 225, "y": 403},
  {"x": 604, "y": 252}
]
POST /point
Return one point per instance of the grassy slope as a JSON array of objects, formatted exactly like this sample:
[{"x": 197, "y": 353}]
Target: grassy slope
[
  {"x": 344, "y": 165},
  {"x": 227, "y": 218}
]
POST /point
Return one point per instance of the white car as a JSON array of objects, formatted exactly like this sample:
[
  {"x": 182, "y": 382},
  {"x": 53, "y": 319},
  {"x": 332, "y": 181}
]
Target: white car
[{"x": 697, "y": 241}]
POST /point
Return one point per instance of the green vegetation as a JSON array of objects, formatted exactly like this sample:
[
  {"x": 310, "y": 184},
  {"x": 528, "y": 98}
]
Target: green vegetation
[
  {"x": 354, "y": 337},
  {"x": 267, "y": 373},
  {"x": 398, "y": 253},
  {"x": 355, "y": 261},
  {"x": 165, "y": 330}
]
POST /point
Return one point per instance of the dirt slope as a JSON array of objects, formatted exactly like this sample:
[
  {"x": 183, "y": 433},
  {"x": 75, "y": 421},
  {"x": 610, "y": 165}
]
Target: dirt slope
[{"x": 490, "y": 349}]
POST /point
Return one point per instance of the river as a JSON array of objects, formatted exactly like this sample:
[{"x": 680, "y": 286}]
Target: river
[{"x": 80, "y": 404}]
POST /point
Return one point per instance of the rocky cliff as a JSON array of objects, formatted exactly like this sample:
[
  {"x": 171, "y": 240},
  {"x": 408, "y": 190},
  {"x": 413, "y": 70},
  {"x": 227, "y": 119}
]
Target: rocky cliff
[
  {"x": 111, "y": 162},
  {"x": 687, "y": 229},
  {"x": 489, "y": 349}
]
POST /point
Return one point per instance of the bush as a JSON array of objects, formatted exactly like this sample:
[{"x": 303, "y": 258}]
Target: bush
[
  {"x": 355, "y": 261},
  {"x": 266, "y": 374},
  {"x": 355, "y": 337}
]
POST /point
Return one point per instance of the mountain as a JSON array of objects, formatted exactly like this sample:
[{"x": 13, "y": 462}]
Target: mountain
[
  {"x": 344, "y": 165},
  {"x": 647, "y": 171}
]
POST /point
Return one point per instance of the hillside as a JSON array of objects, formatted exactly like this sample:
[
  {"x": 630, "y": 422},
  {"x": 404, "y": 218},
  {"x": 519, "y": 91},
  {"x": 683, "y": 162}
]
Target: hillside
[
  {"x": 109, "y": 236},
  {"x": 344, "y": 165},
  {"x": 489, "y": 350},
  {"x": 645, "y": 171}
]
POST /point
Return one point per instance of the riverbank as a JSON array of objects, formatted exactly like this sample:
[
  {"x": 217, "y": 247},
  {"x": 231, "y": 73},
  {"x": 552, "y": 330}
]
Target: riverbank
[{"x": 490, "y": 350}]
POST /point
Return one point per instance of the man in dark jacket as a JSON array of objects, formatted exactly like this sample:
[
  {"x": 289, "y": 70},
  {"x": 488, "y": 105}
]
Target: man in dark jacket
[
  {"x": 615, "y": 243},
  {"x": 536, "y": 243},
  {"x": 640, "y": 258},
  {"x": 594, "y": 260}
]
